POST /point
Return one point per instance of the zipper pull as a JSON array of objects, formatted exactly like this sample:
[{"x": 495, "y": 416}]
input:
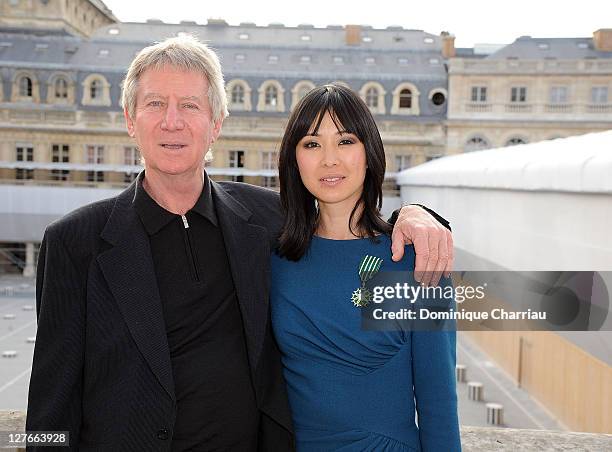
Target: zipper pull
[{"x": 185, "y": 221}]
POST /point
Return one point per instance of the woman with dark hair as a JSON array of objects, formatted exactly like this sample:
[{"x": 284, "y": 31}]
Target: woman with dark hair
[{"x": 349, "y": 389}]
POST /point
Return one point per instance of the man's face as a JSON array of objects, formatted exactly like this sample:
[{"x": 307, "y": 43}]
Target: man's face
[{"x": 173, "y": 124}]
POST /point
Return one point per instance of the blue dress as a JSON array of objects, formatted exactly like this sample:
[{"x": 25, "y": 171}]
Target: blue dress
[{"x": 351, "y": 389}]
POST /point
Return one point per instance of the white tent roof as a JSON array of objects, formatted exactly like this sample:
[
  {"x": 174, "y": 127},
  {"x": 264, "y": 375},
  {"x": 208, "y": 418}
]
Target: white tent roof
[{"x": 576, "y": 164}]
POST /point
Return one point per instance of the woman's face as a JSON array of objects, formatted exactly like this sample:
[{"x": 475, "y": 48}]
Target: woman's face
[{"x": 332, "y": 164}]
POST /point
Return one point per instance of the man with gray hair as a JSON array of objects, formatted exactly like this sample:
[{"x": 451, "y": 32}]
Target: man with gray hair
[{"x": 153, "y": 319}]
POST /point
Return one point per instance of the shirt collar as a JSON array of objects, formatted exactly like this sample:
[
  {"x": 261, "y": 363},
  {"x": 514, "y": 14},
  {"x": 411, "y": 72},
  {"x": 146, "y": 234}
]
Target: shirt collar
[{"x": 154, "y": 217}]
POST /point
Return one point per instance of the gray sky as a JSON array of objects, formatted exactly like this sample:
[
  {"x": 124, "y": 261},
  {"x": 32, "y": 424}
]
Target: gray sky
[{"x": 471, "y": 21}]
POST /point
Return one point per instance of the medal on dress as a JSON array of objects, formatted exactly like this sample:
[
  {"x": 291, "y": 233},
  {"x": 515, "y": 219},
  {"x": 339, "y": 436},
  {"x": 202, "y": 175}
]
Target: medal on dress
[{"x": 368, "y": 267}]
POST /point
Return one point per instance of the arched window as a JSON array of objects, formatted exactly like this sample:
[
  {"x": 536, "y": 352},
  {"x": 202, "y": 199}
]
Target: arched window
[
  {"x": 371, "y": 97},
  {"x": 476, "y": 143},
  {"x": 299, "y": 91},
  {"x": 25, "y": 86},
  {"x": 271, "y": 94},
  {"x": 95, "y": 89},
  {"x": 304, "y": 89},
  {"x": 61, "y": 88},
  {"x": 237, "y": 94},
  {"x": 515, "y": 140},
  {"x": 405, "y": 98}
]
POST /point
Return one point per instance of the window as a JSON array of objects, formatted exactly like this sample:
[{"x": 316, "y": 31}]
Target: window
[
  {"x": 237, "y": 94},
  {"x": 367, "y": 39},
  {"x": 599, "y": 95},
  {"x": 95, "y": 90},
  {"x": 476, "y": 143},
  {"x": 269, "y": 160},
  {"x": 95, "y": 176},
  {"x": 543, "y": 46},
  {"x": 302, "y": 91},
  {"x": 402, "y": 61},
  {"x": 402, "y": 162},
  {"x": 583, "y": 45},
  {"x": 434, "y": 61},
  {"x": 372, "y": 97},
  {"x": 272, "y": 59},
  {"x": 103, "y": 53},
  {"x": 113, "y": 31},
  {"x": 518, "y": 94},
  {"x": 370, "y": 60},
  {"x": 515, "y": 140},
  {"x": 60, "y": 153},
  {"x": 95, "y": 154},
  {"x": 438, "y": 98},
  {"x": 305, "y": 59},
  {"x": 479, "y": 94},
  {"x": 240, "y": 58},
  {"x": 271, "y": 96},
  {"x": 428, "y": 40},
  {"x": 131, "y": 156},
  {"x": 306, "y": 38},
  {"x": 25, "y": 153},
  {"x": 236, "y": 160},
  {"x": 299, "y": 90},
  {"x": 558, "y": 95},
  {"x": 25, "y": 86},
  {"x": 61, "y": 88},
  {"x": 243, "y": 36},
  {"x": 405, "y": 98},
  {"x": 270, "y": 181},
  {"x": 338, "y": 60}
]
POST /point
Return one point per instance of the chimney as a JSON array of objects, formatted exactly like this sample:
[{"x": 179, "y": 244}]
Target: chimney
[
  {"x": 448, "y": 45},
  {"x": 602, "y": 39},
  {"x": 353, "y": 35}
]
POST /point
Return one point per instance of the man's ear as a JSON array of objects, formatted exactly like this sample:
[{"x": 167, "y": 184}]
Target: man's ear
[
  {"x": 129, "y": 124},
  {"x": 216, "y": 130}
]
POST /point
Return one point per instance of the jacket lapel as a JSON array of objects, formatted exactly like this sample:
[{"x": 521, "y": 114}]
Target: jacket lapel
[
  {"x": 248, "y": 251},
  {"x": 129, "y": 272}
]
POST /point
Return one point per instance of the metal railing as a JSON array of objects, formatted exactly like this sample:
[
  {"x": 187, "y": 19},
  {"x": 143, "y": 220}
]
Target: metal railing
[{"x": 9, "y": 261}]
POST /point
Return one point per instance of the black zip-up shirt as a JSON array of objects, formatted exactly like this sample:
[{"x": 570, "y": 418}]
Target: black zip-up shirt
[{"x": 216, "y": 408}]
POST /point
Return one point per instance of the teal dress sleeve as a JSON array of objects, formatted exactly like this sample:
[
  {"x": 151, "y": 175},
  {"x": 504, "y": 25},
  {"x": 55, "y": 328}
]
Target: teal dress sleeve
[{"x": 433, "y": 373}]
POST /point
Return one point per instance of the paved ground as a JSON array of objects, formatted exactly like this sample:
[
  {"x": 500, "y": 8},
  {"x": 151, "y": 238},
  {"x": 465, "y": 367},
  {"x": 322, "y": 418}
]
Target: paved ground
[
  {"x": 17, "y": 302},
  {"x": 520, "y": 409}
]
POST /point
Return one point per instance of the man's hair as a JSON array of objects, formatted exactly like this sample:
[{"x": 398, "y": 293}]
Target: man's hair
[
  {"x": 350, "y": 114},
  {"x": 183, "y": 52}
]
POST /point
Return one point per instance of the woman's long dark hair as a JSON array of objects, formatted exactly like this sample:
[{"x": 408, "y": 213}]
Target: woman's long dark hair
[{"x": 349, "y": 114}]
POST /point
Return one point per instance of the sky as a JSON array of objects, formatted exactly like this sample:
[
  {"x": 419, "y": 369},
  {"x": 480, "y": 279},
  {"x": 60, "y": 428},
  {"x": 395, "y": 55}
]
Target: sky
[{"x": 471, "y": 21}]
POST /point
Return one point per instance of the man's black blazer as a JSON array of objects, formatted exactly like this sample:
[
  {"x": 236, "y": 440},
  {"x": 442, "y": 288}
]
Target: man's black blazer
[{"x": 101, "y": 365}]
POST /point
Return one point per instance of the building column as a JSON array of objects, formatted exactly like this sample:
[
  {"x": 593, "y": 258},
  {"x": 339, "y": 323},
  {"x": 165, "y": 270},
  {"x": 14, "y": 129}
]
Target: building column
[{"x": 28, "y": 270}]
